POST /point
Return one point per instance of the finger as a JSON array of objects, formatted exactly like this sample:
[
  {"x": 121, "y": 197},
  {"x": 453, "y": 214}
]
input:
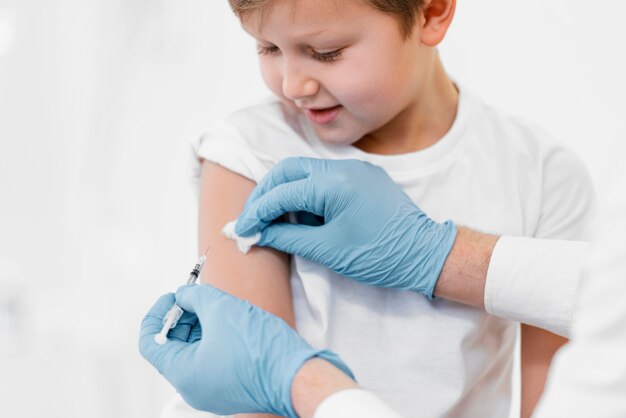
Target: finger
[
  {"x": 165, "y": 357},
  {"x": 182, "y": 330},
  {"x": 289, "y": 197},
  {"x": 153, "y": 321},
  {"x": 198, "y": 299},
  {"x": 211, "y": 305},
  {"x": 196, "y": 333},
  {"x": 285, "y": 171},
  {"x": 300, "y": 240},
  {"x": 157, "y": 355}
]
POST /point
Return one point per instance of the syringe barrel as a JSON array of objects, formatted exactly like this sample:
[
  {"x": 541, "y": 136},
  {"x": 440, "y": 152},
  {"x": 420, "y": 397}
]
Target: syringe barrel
[
  {"x": 195, "y": 273},
  {"x": 193, "y": 277},
  {"x": 173, "y": 315}
]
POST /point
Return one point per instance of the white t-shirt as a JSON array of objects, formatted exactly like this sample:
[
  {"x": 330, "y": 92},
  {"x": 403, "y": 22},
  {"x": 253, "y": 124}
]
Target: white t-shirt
[{"x": 490, "y": 172}]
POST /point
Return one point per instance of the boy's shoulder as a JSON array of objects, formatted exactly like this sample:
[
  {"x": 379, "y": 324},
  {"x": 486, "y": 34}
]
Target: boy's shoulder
[{"x": 266, "y": 131}]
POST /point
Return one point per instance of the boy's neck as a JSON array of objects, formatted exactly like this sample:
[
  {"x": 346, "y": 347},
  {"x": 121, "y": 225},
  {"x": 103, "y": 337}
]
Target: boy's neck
[{"x": 421, "y": 124}]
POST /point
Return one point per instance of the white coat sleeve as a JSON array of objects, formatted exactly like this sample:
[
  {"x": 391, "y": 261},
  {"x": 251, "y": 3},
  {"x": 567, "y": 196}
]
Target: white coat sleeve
[
  {"x": 354, "y": 403},
  {"x": 588, "y": 375},
  {"x": 535, "y": 281}
]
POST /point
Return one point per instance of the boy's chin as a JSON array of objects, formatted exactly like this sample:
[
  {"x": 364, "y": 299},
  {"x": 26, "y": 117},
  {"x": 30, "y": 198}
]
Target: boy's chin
[{"x": 337, "y": 138}]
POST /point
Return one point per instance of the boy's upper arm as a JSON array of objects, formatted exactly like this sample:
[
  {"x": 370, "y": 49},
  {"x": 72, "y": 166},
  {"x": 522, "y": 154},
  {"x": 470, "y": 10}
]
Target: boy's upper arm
[{"x": 261, "y": 276}]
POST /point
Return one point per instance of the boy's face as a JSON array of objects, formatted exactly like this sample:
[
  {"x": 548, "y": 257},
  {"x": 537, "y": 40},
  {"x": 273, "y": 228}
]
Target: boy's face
[{"x": 344, "y": 64}]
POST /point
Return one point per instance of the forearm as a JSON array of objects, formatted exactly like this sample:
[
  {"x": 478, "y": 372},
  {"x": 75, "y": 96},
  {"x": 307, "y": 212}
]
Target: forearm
[
  {"x": 315, "y": 381},
  {"x": 322, "y": 391},
  {"x": 529, "y": 280},
  {"x": 464, "y": 273},
  {"x": 537, "y": 351}
]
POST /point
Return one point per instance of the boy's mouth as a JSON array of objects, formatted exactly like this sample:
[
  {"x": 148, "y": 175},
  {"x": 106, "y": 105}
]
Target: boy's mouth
[{"x": 323, "y": 116}]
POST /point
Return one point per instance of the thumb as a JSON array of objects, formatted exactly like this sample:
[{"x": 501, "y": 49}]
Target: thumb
[
  {"x": 285, "y": 171},
  {"x": 199, "y": 299},
  {"x": 295, "y": 196},
  {"x": 301, "y": 240}
]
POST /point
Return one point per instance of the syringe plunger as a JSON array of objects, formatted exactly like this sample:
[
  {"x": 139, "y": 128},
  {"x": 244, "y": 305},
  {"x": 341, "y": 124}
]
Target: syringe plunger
[{"x": 171, "y": 319}]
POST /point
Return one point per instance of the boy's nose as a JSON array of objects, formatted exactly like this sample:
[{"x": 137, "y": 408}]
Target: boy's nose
[{"x": 297, "y": 85}]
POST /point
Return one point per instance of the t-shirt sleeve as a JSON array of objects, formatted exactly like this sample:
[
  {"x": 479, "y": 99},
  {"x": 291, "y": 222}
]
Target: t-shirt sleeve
[
  {"x": 568, "y": 198},
  {"x": 224, "y": 144},
  {"x": 537, "y": 282}
]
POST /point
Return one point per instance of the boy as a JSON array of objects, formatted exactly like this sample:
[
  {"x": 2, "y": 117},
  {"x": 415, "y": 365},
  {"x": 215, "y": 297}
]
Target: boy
[{"x": 362, "y": 79}]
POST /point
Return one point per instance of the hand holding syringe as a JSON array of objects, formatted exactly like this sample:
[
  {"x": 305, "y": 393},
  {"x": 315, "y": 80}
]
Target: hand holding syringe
[{"x": 173, "y": 315}]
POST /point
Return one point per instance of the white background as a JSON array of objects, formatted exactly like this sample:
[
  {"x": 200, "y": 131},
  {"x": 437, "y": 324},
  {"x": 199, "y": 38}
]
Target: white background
[{"x": 98, "y": 102}]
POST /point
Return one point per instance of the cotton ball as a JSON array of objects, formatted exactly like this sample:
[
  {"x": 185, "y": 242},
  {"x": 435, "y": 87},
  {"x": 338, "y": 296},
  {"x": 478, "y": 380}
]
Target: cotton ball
[{"x": 243, "y": 243}]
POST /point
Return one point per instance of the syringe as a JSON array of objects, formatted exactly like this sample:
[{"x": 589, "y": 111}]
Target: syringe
[{"x": 173, "y": 315}]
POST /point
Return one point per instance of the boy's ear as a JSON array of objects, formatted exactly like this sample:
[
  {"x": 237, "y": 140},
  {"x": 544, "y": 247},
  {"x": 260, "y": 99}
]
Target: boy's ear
[{"x": 435, "y": 19}]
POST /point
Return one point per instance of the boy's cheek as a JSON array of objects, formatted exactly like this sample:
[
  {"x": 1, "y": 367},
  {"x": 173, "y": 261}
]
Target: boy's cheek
[{"x": 272, "y": 78}]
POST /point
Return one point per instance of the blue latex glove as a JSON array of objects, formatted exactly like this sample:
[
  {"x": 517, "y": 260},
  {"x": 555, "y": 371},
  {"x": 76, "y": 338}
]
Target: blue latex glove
[
  {"x": 372, "y": 232},
  {"x": 227, "y": 356}
]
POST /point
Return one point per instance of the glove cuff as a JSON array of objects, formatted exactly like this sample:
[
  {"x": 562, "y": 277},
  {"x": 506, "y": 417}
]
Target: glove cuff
[
  {"x": 336, "y": 361},
  {"x": 448, "y": 231},
  {"x": 432, "y": 244}
]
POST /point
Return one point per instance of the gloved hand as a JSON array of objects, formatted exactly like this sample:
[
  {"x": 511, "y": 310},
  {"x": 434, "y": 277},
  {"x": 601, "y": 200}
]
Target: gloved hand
[
  {"x": 227, "y": 356},
  {"x": 373, "y": 232}
]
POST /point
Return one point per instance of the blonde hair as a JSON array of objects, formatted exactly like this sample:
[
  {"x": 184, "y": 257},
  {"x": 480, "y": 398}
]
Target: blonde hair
[{"x": 405, "y": 11}]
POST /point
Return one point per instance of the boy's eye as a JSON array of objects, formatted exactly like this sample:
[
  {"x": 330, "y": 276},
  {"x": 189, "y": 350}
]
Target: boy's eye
[
  {"x": 327, "y": 56},
  {"x": 267, "y": 50},
  {"x": 318, "y": 56}
]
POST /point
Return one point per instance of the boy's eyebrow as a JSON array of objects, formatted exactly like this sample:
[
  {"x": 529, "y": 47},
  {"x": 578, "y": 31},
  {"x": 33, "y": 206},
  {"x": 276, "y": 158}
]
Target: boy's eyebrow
[
  {"x": 312, "y": 34},
  {"x": 308, "y": 35}
]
